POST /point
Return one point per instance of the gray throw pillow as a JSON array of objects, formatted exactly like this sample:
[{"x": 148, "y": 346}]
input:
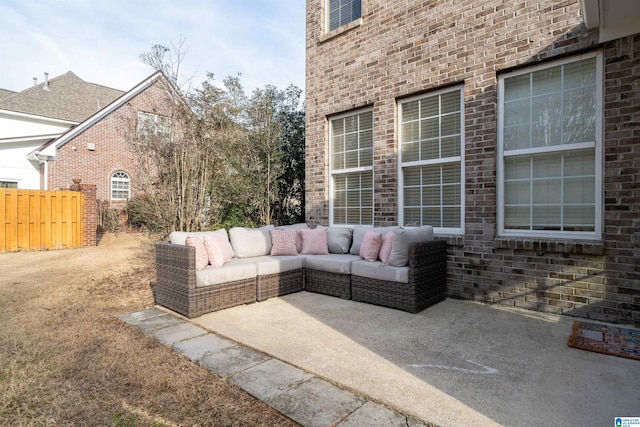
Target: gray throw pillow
[
  {"x": 339, "y": 240},
  {"x": 403, "y": 238}
]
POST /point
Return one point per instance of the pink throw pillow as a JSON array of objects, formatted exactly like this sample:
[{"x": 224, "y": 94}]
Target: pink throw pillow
[
  {"x": 370, "y": 247},
  {"x": 283, "y": 242},
  {"x": 385, "y": 249},
  {"x": 314, "y": 242},
  {"x": 201, "y": 253},
  {"x": 215, "y": 253}
]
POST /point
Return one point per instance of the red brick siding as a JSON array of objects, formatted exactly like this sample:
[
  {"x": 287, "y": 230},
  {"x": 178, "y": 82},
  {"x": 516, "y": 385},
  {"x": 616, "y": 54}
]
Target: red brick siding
[
  {"x": 111, "y": 137},
  {"x": 89, "y": 213},
  {"x": 407, "y": 48}
]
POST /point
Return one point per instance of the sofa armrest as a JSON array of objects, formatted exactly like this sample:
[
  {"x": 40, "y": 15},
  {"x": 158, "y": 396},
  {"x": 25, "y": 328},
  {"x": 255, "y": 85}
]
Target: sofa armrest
[
  {"x": 176, "y": 265},
  {"x": 426, "y": 254},
  {"x": 428, "y": 270}
]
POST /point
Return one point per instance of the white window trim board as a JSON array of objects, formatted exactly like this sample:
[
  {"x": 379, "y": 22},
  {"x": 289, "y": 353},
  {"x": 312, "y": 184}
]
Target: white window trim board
[{"x": 599, "y": 158}]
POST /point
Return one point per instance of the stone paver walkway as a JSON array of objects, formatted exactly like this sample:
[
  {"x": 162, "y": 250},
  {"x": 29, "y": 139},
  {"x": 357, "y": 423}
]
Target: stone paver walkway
[{"x": 299, "y": 395}]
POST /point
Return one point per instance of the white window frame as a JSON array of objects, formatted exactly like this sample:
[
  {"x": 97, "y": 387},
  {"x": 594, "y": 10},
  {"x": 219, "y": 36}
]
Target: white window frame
[
  {"x": 345, "y": 171},
  {"x": 120, "y": 178},
  {"x": 597, "y": 145},
  {"x": 439, "y": 161},
  {"x": 156, "y": 128},
  {"x": 327, "y": 8}
]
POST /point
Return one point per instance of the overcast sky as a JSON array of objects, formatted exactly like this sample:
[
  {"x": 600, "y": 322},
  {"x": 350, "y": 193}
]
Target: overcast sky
[{"x": 101, "y": 41}]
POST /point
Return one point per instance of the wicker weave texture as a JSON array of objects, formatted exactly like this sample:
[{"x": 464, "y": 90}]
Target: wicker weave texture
[
  {"x": 273, "y": 285},
  {"x": 176, "y": 284},
  {"x": 427, "y": 281},
  {"x": 322, "y": 282}
]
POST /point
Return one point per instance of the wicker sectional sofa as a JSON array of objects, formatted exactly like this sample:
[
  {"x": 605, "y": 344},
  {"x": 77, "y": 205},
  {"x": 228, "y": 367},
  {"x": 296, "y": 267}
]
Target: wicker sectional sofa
[{"x": 255, "y": 275}]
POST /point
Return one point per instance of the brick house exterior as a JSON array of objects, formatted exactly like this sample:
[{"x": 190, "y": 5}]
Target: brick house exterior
[
  {"x": 101, "y": 146},
  {"x": 390, "y": 56}
]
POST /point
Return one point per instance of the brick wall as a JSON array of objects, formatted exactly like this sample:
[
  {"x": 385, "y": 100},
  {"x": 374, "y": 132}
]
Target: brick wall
[
  {"x": 400, "y": 49},
  {"x": 112, "y": 138},
  {"x": 89, "y": 212}
]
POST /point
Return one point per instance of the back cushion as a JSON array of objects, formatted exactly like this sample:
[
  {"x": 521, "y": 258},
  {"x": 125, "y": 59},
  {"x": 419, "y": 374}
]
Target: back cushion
[
  {"x": 251, "y": 242},
  {"x": 403, "y": 238},
  {"x": 178, "y": 237}
]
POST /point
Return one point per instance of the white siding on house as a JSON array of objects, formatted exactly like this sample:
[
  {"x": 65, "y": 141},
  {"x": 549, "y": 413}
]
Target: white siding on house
[
  {"x": 14, "y": 165},
  {"x": 20, "y": 135},
  {"x": 14, "y": 125}
]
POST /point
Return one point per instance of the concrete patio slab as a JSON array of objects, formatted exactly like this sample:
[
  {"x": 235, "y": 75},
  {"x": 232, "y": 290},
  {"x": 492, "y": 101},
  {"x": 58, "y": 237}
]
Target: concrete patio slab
[
  {"x": 231, "y": 360},
  {"x": 196, "y": 348},
  {"x": 456, "y": 363},
  {"x": 316, "y": 403},
  {"x": 173, "y": 334},
  {"x": 267, "y": 380}
]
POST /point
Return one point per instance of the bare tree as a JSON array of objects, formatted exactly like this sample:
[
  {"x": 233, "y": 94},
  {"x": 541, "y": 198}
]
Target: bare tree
[
  {"x": 217, "y": 158},
  {"x": 169, "y": 61}
]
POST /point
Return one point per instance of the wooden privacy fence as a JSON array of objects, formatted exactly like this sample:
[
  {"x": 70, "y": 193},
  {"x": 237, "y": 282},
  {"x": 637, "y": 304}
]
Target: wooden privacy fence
[{"x": 39, "y": 220}]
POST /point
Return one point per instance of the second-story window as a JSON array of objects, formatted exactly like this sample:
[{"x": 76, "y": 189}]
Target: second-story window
[
  {"x": 341, "y": 12},
  {"x": 153, "y": 125}
]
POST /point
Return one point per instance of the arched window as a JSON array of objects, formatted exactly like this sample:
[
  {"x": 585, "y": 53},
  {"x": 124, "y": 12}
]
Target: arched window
[{"x": 120, "y": 186}]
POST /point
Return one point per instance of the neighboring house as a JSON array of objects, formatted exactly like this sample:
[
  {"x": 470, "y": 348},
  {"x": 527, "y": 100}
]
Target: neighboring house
[
  {"x": 66, "y": 129},
  {"x": 511, "y": 127},
  {"x": 34, "y": 116}
]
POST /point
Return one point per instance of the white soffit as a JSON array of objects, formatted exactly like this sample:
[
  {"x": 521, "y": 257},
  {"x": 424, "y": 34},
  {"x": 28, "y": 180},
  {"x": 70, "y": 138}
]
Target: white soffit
[{"x": 613, "y": 18}]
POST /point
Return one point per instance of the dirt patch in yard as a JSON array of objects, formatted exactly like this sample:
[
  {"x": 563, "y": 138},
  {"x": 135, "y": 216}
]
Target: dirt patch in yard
[{"x": 65, "y": 358}]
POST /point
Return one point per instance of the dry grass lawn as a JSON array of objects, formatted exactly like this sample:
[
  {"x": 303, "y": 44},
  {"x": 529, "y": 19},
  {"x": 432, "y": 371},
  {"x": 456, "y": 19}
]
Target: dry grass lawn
[{"x": 66, "y": 359}]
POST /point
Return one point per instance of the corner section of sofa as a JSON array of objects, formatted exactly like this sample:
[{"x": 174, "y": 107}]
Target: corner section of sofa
[
  {"x": 426, "y": 286},
  {"x": 176, "y": 284}
]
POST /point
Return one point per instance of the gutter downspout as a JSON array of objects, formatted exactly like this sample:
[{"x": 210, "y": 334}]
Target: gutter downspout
[{"x": 36, "y": 156}]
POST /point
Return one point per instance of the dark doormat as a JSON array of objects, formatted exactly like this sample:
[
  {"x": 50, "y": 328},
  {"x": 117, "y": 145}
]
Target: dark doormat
[{"x": 623, "y": 342}]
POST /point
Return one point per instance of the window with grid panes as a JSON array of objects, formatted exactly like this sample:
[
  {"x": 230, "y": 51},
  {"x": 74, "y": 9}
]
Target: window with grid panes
[
  {"x": 150, "y": 125},
  {"x": 341, "y": 12},
  {"x": 550, "y": 149},
  {"x": 352, "y": 169},
  {"x": 431, "y": 173},
  {"x": 120, "y": 186}
]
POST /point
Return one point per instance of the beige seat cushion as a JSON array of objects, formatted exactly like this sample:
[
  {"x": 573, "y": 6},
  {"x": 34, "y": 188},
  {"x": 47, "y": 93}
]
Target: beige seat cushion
[
  {"x": 237, "y": 269},
  {"x": 335, "y": 263},
  {"x": 378, "y": 270},
  {"x": 278, "y": 264}
]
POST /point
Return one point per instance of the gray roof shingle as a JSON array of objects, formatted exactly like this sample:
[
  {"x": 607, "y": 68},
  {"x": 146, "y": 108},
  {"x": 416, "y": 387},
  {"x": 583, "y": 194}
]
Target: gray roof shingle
[
  {"x": 5, "y": 92},
  {"x": 68, "y": 98}
]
